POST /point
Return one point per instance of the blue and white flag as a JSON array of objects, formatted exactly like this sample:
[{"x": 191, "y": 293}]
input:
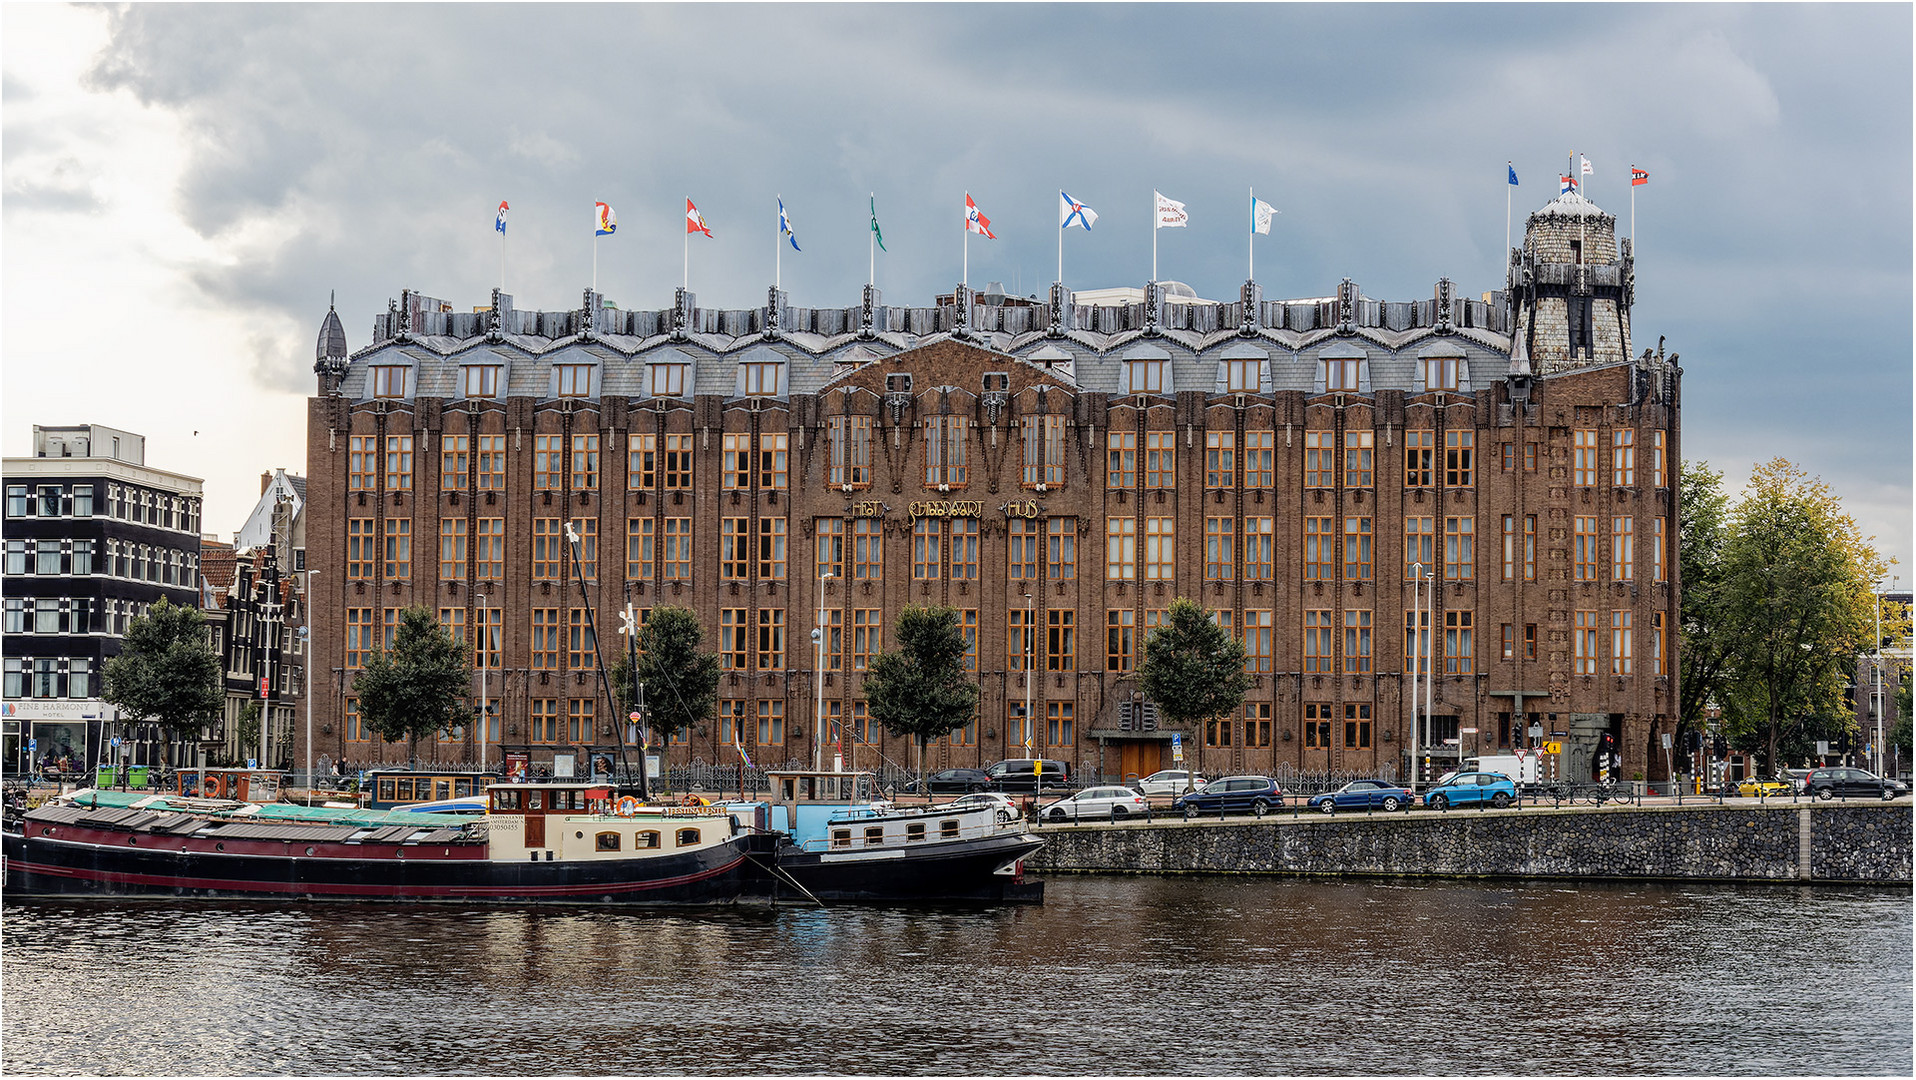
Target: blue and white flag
[
  {"x": 499, "y": 223},
  {"x": 1070, "y": 209},
  {"x": 785, "y": 226},
  {"x": 1513, "y": 173}
]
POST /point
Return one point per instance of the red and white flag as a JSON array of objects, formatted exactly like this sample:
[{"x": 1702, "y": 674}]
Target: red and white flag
[
  {"x": 975, "y": 221},
  {"x": 1170, "y": 213},
  {"x": 1638, "y": 177},
  {"x": 693, "y": 222}
]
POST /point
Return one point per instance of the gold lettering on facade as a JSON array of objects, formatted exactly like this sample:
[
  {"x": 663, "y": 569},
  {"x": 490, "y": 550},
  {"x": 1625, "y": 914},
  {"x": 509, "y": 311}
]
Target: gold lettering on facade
[
  {"x": 959, "y": 508},
  {"x": 1025, "y": 509}
]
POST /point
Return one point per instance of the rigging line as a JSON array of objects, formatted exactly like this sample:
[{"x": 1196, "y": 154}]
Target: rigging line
[{"x": 578, "y": 573}]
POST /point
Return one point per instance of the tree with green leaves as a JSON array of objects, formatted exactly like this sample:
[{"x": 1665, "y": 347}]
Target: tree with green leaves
[
  {"x": 419, "y": 686},
  {"x": 1192, "y": 668},
  {"x": 1703, "y": 522},
  {"x": 1798, "y": 609},
  {"x": 921, "y": 688},
  {"x": 167, "y": 672},
  {"x": 246, "y": 732},
  {"x": 680, "y": 679}
]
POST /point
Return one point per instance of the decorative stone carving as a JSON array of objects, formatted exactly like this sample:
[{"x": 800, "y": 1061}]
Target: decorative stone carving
[{"x": 1060, "y": 300}]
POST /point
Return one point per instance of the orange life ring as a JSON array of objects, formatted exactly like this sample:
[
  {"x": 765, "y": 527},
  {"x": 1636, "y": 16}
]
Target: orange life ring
[
  {"x": 694, "y": 800},
  {"x": 628, "y": 806}
]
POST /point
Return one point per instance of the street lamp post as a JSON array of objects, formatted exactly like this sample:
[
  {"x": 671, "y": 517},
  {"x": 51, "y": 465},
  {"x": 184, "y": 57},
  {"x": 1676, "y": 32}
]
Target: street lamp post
[
  {"x": 306, "y": 612},
  {"x": 1430, "y": 656},
  {"x": 1030, "y": 632},
  {"x": 818, "y": 679},
  {"x": 485, "y": 676}
]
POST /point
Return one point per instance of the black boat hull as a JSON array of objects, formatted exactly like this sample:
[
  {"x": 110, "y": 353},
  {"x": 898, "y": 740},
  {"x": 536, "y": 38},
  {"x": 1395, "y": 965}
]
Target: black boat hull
[{"x": 964, "y": 871}]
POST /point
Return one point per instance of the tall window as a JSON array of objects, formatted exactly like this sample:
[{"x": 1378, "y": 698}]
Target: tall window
[
  {"x": 1160, "y": 548},
  {"x": 492, "y": 463},
  {"x": 1260, "y": 641},
  {"x": 676, "y": 564},
  {"x": 1622, "y": 652},
  {"x": 868, "y": 549},
  {"x": 774, "y": 461},
  {"x": 1530, "y": 641},
  {"x": 735, "y": 469},
  {"x": 1121, "y": 549},
  {"x": 1320, "y": 549},
  {"x": 1317, "y": 725},
  {"x": 1659, "y": 553},
  {"x": 1317, "y": 642},
  {"x": 579, "y": 727},
  {"x": 361, "y": 549},
  {"x": 771, "y": 639},
  {"x": 1658, "y": 477},
  {"x": 1622, "y": 548},
  {"x": 1160, "y": 459},
  {"x": 1584, "y": 639},
  {"x": 1623, "y": 457},
  {"x": 1357, "y": 725},
  {"x": 1460, "y": 458},
  {"x": 1021, "y": 552},
  {"x": 1459, "y": 548},
  {"x": 1320, "y": 460},
  {"x": 1584, "y": 473},
  {"x": 1020, "y": 638},
  {"x": 867, "y": 636},
  {"x": 1509, "y": 641},
  {"x": 861, "y": 730},
  {"x": 1260, "y": 548},
  {"x": 1420, "y": 451},
  {"x": 831, "y": 547},
  {"x": 851, "y": 448},
  {"x": 1459, "y": 649},
  {"x": 1059, "y": 722},
  {"x": 1061, "y": 643},
  {"x": 735, "y": 548},
  {"x": 1357, "y": 564},
  {"x": 1357, "y": 641},
  {"x": 1219, "y": 560},
  {"x": 548, "y": 462},
  {"x": 1257, "y": 725},
  {"x": 641, "y": 462},
  {"x": 641, "y": 548},
  {"x": 361, "y": 459},
  {"x": 1120, "y": 638},
  {"x": 731, "y": 723},
  {"x": 1121, "y": 459},
  {"x": 1584, "y": 551},
  {"x": 485, "y": 651},
  {"x": 834, "y": 639},
  {"x": 581, "y": 645},
  {"x": 542, "y": 724},
  {"x": 1416, "y": 640},
  {"x": 1530, "y": 547},
  {"x": 1220, "y": 458},
  {"x": 964, "y": 549},
  {"x": 926, "y": 559},
  {"x": 455, "y": 454},
  {"x": 1511, "y": 542},
  {"x": 489, "y": 549},
  {"x": 1656, "y": 644},
  {"x": 587, "y": 530},
  {"x": 1359, "y": 446},
  {"x": 585, "y": 462},
  {"x": 771, "y": 548},
  {"x": 771, "y": 723},
  {"x": 359, "y": 636},
  {"x": 452, "y": 549},
  {"x": 1061, "y": 548},
  {"x": 734, "y": 644},
  {"x": 945, "y": 448},
  {"x": 678, "y": 462},
  {"x": 399, "y": 462},
  {"x": 1260, "y": 459},
  {"x": 548, "y": 550},
  {"x": 545, "y": 639},
  {"x": 1044, "y": 450}
]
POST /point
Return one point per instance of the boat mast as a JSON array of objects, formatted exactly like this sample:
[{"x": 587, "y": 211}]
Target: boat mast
[{"x": 605, "y": 683}]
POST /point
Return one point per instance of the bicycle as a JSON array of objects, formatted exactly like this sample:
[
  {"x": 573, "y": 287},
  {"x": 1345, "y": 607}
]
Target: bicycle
[{"x": 1602, "y": 793}]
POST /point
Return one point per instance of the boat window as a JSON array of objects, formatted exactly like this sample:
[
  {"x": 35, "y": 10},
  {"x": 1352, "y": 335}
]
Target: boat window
[
  {"x": 688, "y": 837},
  {"x": 874, "y": 834},
  {"x": 533, "y": 800},
  {"x": 608, "y": 841},
  {"x": 841, "y": 838},
  {"x": 461, "y": 788},
  {"x": 948, "y": 829},
  {"x": 648, "y": 838},
  {"x": 386, "y": 789},
  {"x": 914, "y": 831},
  {"x": 505, "y": 800}
]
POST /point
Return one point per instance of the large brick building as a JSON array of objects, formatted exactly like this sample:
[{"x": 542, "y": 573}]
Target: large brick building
[{"x": 1056, "y": 471}]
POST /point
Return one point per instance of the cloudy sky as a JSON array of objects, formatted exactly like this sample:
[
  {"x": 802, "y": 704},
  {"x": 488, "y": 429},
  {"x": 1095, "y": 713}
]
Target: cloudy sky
[{"x": 185, "y": 185}]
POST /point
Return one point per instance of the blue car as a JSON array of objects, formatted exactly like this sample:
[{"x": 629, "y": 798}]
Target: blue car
[
  {"x": 1363, "y": 795},
  {"x": 1469, "y": 788},
  {"x": 1257, "y": 794}
]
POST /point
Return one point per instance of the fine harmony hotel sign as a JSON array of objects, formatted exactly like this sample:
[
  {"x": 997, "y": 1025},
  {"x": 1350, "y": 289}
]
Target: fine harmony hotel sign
[{"x": 945, "y": 508}]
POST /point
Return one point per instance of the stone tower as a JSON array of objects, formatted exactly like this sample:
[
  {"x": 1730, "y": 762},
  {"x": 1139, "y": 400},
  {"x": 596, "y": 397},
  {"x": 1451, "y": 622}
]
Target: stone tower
[
  {"x": 1570, "y": 288},
  {"x": 329, "y": 356}
]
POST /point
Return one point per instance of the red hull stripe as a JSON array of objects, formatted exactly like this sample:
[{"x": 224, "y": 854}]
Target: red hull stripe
[{"x": 163, "y": 881}]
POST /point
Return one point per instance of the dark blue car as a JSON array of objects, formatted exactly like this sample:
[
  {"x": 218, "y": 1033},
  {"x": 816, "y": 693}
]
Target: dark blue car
[
  {"x": 1363, "y": 795},
  {"x": 1469, "y": 788},
  {"x": 1233, "y": 794}
]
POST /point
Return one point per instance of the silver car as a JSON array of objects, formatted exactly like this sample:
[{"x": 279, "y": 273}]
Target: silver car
[
  {"x": 1097, "y": 802},
  {"x": 1170, "y": 782}
]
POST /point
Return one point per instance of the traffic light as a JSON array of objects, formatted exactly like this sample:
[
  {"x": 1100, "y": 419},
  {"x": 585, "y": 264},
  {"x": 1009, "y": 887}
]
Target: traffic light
[{"x": 1721, "y": 748}]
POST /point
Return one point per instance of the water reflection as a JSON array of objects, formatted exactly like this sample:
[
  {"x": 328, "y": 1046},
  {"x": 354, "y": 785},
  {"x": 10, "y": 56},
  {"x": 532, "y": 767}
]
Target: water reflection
[{"x": 1111, "y": 975}]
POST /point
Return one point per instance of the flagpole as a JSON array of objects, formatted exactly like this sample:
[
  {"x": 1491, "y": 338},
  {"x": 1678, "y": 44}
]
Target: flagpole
[
  {"x": 871, "y": 246},
  {"x": 1061, "y": 238},
  {"x": 778, "y": 238},
  {"x": 595, "y": 259},
  {"x": 1154, "y": 234},
  {"x": 1513, "y": 169},
  {"x": 1250, "y": 269},
  {"x": 685, "y": 243},
  {"x": 966, "y": 277}
]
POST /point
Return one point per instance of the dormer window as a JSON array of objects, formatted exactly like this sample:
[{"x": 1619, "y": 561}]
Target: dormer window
[
  {"x": 1340, "y": 375},
  {"x": 997, "y": 381},
  {"x": 482, "y": 380},
  {"x": 668, "y": 380},
  {"x": 1242, "y": 376},
  {"x": 898, "y": 383},
  {"x": 762, "y": 378},
  {"x": 1440, "y": 372},
  {"x": 1145, "y": 376},
  {"x": 389, "y": 381},
  {"x": 575, "y": 380}
]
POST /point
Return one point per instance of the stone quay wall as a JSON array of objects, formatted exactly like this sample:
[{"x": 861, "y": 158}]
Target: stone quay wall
[{"x": 1822, "y": 843}]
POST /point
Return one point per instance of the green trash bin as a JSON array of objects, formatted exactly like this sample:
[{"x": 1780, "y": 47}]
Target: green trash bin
[
  {"x": 137, "y": 777},
  {"x": 103, "y": 777}
]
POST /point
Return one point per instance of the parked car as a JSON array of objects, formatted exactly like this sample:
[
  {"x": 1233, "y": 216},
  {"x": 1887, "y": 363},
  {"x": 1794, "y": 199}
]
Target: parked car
[
  {"x": 1795, "y": 777},
  {"x": 1257, "y": 794},
  {"x": 1468, "y": 788},
  {"x": 1019, "y": 774},
  {"x": 1766, "y": 789},
  {"x": 1007, "y": 810},
  {"x": 951, "y": 782},
  {"x": 1363, "y": 795},
  {"x": 1851, "y": 783},
  {"x": 1096, "y": 802},
  {"x": 1170, "y": 782}
]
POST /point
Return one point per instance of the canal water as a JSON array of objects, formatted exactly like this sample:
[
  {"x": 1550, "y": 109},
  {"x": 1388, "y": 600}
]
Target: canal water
[{"x": 1112, "y": 975}]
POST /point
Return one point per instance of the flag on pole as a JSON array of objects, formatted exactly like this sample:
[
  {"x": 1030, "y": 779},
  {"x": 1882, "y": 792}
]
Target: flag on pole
[
  {"x": 1170, "y": 214},
  {"x": 608, "y": 221},
  {"x": 1261, "y": 214},
  {"x": 875, "y": 231},
  {"x": 1513, "y": 174},
  {"x": 975, "y": 221},
  {"x": 1070, "y": 209},
  {"x": 745, "y": 756},
  {"x": 693, "y": 222},
  {"x": 1585, "y": 169},
  {"x": 1638, "y": 177},
  {"x": 499, "y": 223},
  {"x": 1569, "y": 185},
  {"x": 785, "y": 226}
]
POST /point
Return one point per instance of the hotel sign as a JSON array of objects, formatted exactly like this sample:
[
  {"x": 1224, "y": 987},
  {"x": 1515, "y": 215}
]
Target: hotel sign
[
  {"x": 958, "y": 508},
  {"x": 945, "y": 508}
]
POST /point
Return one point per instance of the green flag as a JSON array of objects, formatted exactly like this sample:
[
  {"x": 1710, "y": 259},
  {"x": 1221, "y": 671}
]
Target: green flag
[{"x": 880, "y": 236}]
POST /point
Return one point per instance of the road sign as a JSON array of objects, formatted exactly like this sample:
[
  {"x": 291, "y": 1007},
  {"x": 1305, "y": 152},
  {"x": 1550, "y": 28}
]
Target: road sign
[
  {"x": 1177, "y": 746},
  {"x": 116, "y": 742},
  {"x": 32, "y": 745},
  {"x": 1468, "y": 730},
  {"x": 1553, "y": 748}
]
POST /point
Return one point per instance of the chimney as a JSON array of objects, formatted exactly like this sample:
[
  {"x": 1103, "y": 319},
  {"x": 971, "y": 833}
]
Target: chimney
[{"x": 265, "y": 481}]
